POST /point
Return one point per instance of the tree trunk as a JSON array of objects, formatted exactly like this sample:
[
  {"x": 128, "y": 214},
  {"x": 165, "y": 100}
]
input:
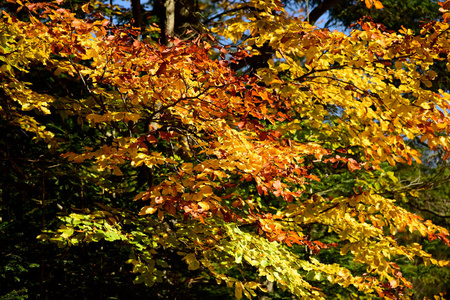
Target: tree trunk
[
  {"x": 137, "y": 14},
  {"x": 320, "y": 9},
  {"x": 170, "y": 17}
]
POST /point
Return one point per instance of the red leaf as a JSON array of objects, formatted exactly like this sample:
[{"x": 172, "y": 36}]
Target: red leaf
[
  {"x": 162, "y": 69},
  {"x": 263, "y": 135},
  {"x": 260, "y": 189},
  {"x": 152, "y": 139},
  {"x": 170, "y": 208},
  {"x": 166, "y": 135},
  {"x": 241, "y": 124}
]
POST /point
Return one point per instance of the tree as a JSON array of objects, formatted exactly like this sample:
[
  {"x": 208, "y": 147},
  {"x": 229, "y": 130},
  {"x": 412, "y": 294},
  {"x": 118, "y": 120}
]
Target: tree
[
  {"x": 395, "y": 14},
  {"x": 231, "y": 173}
]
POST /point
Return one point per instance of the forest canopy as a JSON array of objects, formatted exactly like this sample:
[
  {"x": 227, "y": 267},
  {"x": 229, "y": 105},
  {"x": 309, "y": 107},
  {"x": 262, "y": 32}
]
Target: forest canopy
[{"x": 225, "y": 149}]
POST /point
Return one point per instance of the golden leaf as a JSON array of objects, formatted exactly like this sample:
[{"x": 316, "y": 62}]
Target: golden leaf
[{"x": 147, "y": 210}]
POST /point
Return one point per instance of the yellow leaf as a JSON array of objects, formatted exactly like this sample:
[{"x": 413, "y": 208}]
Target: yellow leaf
[
  {"x": 427, "y": 83},
  {"x": 147, "y": 210},
  {"x": 6, "y": 68},
  {"x": 192, "y": 261},
  {"x": 204, "y": 205},
  {"x": 432, "y": 74},
  {"x": 238, "y": 290},
  {"x": 85, "y": 7},
  {"x": 131, "y": 117},
  {"x": 414, "y": 193},
  {"x": 391, "y": 160},
  {"x": 205, "y": 191},
  {"x": 117, "y": 171}
]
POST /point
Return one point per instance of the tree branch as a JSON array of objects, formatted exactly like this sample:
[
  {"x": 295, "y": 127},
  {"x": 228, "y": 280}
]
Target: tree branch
[
  {"x": 225, "y": 13},
  {"x": 320, "y": 9},
  {"x": 430, "y": 211}
]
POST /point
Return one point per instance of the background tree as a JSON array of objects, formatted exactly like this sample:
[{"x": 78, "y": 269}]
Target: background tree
[{"x": 394, "y": 15}]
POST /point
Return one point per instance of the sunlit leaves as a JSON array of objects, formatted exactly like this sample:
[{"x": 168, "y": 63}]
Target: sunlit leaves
[{"x": 376, "y": 3}]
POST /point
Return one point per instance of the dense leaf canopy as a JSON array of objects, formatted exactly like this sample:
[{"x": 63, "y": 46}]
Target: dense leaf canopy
[{"x": 285, "y": 172}]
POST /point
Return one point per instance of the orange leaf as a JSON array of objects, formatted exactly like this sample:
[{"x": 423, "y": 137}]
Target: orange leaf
[
  {"x": 378, "y": 4},
  {"x": 76, "y": 23},
  {"x": 170, "y": 208}
]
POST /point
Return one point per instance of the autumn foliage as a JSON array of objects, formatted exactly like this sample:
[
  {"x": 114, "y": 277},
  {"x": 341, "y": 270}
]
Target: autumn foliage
[{"x": 233, "y": 158}]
